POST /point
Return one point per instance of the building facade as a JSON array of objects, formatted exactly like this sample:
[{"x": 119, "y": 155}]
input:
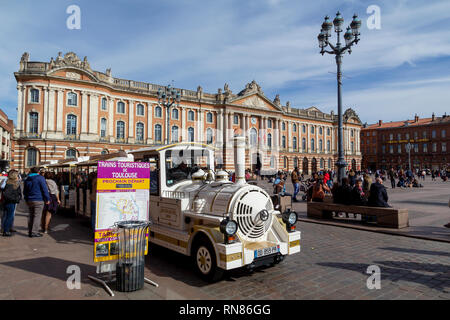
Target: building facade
[
  {"x": 67, "y": 110},
  {"x": 383, "y": 145},
  {"x": 6, "y": 133}
]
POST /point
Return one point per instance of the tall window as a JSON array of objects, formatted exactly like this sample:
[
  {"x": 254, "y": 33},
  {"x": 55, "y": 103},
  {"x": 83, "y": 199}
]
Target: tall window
[
  {"x": 269, "y": 123},
  {"x": 209, "y": 136},
  {"x": 71, "y": 127},
  {"x": 444, "y": 146},
  {"x": 329, "y": 163},
  {"x": 269, "y": 140},
  {"x": 103, "y": 127},
  {"x": 72, "y": 99},
  {"x": 322, "y": 163},
  {"x": 312, "y": 129},
  {"x": 235, "y": 119},
  {"x": 443, "y": 133},
  {"x": 139, "y": 131},
  {"x": 71, "y": 154},
  {"x": 140, "y": 109},
  {"x": 209, "y": 117},
  {"x": 294, "y": 127},
  {"x": 191, "y": 115},
  {"x": 391, "y": 148},
  {"x": 399, "y": 148},
  {"x": 283, "y": 142},
  {"x": 328, "y": 146},
  {"x": 433, "y": 134},
  {"x": 158, "y": 112},
  {"x": 294, "y": 143},
  {"x": 320, "y": 145},
  {"x": 120, "y": 107},
  {"x": 120, "y": 131},
  {"x": 31, "y": 157},
  {"x": 191, "y": 134},
  {"x": 34, "y": 95},
  {"x": 283, "y": 126},
  {"x": 425, "y": 147},
  {"x": 303, "y": 128},
  {"x": 320, "y": 131},
  {"x": 434, "y": 146},
  {"x": 352, "y": 146},
  {"x": 158, "y": 133},
  {"x": 312, "y": 143},
  {"x": 174, "y": 134},
  {"x": 424, "y": 134},
  {"x": 34, "y": 122},
  {"x": 175, "y": 114},
  {"x": 253, "y": 137},
  {"x": 352, "y": 133},
  {"x": 328, "y": 131},
  {"x": 304, "y": 144},
  {"x": 104, "y": 104}
]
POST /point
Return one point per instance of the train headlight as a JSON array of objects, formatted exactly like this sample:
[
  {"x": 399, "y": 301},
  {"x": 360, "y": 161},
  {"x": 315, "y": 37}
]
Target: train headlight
[
  {"x": 289, "y": 218},
  {"x": 228, "y": 228}
]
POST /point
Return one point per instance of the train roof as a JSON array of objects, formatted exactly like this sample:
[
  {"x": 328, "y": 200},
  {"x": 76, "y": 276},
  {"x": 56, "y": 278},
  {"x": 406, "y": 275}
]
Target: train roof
[{"x": 187, "y": 145}]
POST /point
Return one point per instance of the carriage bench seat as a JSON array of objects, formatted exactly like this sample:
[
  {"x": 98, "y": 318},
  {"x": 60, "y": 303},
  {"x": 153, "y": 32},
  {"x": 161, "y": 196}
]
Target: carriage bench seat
[{"x": 386, "y": 217}]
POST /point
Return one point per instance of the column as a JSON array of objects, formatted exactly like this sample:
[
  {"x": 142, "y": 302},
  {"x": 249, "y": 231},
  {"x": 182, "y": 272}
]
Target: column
[
  {"x": 230, "y": 126},
  {"x": 316, "y": 131},
  {"x": 225, "y": 128},
  {"x": 111, "y": 123},
  {"x": 183, "y": 123},
  {"x": 93, "y": 116},
  {"x": 308, "y": 140},
  {"x": 60, "y": 114},
  {"x": 131, "y": 121},
  {"x": 20, "y": 108},
  {"x": 149, "y": 123},
  {"x": 289, "y": 140},
  {"x": 84, "y": 114},
  {"x": 51, "y": 110},
  {"x": 200, "y": 126},
  {"x": 219, "y": 131},
  {"x": 45, "y": 115}
]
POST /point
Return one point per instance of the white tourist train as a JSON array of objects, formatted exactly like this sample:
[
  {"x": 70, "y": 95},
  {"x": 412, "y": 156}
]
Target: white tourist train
[{"x": 198, "y": 212}]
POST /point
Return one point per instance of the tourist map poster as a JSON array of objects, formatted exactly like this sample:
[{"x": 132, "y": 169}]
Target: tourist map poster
[{"x": 122, "y": 195}]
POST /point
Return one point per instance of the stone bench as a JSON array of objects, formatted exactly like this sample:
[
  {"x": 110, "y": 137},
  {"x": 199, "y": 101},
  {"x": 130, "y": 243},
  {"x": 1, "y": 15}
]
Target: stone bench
[{"x": 386, "y": 217}]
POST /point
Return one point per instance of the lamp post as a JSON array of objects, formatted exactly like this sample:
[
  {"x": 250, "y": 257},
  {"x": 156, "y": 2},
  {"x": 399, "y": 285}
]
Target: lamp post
[
  {"x": 168, "y": 98},
  {"x": 351, "y": 37},
  {"x": 408, "y": 149}
]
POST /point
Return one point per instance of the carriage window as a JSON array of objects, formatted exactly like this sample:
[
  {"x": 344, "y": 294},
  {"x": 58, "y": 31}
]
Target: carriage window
[
  {"x": 154, "y": 174},
  {"x": 181, "y": 164}
]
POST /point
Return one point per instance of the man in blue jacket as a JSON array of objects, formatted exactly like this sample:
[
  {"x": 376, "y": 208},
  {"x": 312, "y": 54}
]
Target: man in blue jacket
[{"x": 35, "y": 192}]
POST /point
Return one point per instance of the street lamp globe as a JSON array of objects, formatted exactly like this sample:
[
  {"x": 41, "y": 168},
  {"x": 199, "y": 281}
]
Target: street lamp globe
[
  {"x": 348, "y": 36},
  {"x": 338, "y": 22},
  {"x": 321, "y": 37},
  {"x": 355, "y": 25},
  {"x": 326, "y": 26}
]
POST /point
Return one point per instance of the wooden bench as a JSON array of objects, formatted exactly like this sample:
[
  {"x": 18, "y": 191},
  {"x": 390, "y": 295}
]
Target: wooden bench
[{"x": 386, "y": 217}]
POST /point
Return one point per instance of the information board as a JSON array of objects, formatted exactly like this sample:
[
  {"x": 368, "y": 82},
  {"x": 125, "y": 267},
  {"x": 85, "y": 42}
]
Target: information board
[{"x": 122, "y": 195}]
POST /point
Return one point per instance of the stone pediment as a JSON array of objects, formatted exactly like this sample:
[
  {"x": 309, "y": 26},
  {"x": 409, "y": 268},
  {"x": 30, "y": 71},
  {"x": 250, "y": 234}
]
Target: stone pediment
[{"x": 256, "y": 102}]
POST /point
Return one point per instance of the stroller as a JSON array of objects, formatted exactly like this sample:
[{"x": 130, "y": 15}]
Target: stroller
[{"x": 304, "y": 187}]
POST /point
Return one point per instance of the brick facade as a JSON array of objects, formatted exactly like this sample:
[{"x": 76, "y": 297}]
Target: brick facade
[{"x": 107, "y": 117}]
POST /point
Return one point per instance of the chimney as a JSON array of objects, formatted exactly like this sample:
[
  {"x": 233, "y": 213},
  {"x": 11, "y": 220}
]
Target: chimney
[
  {"x": 433, "y": 117},
  {"x": 380, "y": 122},
  {"x": 239, "y": 159},
  {"x": 416, "y": 118}
]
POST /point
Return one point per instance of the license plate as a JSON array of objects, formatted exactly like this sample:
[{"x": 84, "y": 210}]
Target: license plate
[{"x": 267, "y": 251}]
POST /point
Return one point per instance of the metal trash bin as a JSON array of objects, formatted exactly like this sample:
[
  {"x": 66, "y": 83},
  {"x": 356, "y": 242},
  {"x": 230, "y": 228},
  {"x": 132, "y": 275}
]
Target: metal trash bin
[{"x": 131, "y": 251}]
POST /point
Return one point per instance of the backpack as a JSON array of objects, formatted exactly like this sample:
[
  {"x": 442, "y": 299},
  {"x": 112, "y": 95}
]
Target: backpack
[{"x": 11, "y": 195}]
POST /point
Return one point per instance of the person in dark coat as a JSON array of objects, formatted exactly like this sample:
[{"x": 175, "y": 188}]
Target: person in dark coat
[{"x": 378, "y": 195}]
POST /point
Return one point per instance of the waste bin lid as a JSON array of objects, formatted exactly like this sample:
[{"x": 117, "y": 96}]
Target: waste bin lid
[{"x": 132, "y": 224}]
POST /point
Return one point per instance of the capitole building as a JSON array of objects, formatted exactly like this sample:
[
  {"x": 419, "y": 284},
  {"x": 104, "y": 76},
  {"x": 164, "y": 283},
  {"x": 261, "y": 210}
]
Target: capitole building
[{"x": 67, "y": 110}]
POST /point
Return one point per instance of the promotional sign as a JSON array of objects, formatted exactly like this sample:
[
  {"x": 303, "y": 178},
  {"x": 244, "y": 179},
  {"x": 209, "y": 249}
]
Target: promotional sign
[{"x": 122, "y": 194}]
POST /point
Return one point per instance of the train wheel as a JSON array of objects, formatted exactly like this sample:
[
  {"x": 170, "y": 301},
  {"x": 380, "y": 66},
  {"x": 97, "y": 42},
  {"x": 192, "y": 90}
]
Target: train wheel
[{"x": 205, "y": 261}]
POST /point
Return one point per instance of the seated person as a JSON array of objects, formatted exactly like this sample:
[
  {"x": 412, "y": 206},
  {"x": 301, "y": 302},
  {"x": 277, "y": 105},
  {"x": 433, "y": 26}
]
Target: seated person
[
  {"x": 378, "y": 195},
  {"x": 279, "y": 184},
  {"x": 343, "y": 193},
  {"x": 358, "y": 197},
  {"x": 318, "y": 190}
]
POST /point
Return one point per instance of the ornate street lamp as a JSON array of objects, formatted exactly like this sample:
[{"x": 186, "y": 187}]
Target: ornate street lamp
[
  {"x": 408, "y": 148},
  {"x": 168, "y": 98},
  {"x": 351, "y": 37}
]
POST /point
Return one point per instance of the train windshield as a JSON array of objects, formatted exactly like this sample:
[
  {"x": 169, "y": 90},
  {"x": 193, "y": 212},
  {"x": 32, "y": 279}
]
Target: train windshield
[{"x": 181, "y": 164}]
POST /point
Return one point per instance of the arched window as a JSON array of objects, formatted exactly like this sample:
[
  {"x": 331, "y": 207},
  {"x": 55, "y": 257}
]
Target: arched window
[
  {"x": 294, "y": 143},
  {"x": 283, "y": 142},
  {"x": 34, "y": 122},
  {"x": 328, "y": 146},
  {"x": 320, "y": 130},
  {"x": 158, "y": 137},
  {"x": 140, "y": 110},
  {"x": 328, "y": 131},
  {"x": 352, "y": 132},
  {"x": 272, "y": 161},
  {"x": 303, "y": 128},
  {"x": 120, "y": 131},
  {"x": 320, "y": 145},
  {"x": 283, "y": 125},
  {"x": 304, "y": 144},
  {"x": 175, "y": 114},
  {"x": 191, "y": 134},
  {"x": 269, "y": 123},
  {"x": 72, "y": 99},
  {"x": 31, "y": 157},
  {"x": 295, "y": 162},
  {"x": 312, "y": 144},
  {"x": 104, "y": 104},
  {"x": 71, "y": 154},
  {"x": 235, "y": 119},
  {"x": 120, "y": 107},
  {"x": 322, "y": 163},
  {"x": 312, "y": 129},
  {"x": 139, "y": 131},
  {"x": 352, "y": 147},
  {"x": 191, "y": 115},
  {"x": 253, "y": 137},
  {"x": 174, "y": 134},
  {"x": 209, "y": 117},
  {"x": 294, "y": 127},
  {"x": 209, "y": 136},
  {"x": 329, "y": 164},
  {"x": 34, "y": 95},
  {"x": 269, "y": 140},
  {"x": 158, "y": 112},
  {"x": 71, "y": 128},
  {"x": 103, "y": 123}
]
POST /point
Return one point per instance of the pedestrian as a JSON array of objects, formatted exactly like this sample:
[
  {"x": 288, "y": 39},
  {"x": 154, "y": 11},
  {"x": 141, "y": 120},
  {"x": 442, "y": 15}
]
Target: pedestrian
[
  {"x": 36, "y": 194},
  {"x": 296, "y": 183},
  {"x": 378, "y": 195},
  {"x": 391, "y": 175},
  {"x": 11, "y": 196},
  {"x": 93, "y": 197},
  {"x": 52, "y": 207}
]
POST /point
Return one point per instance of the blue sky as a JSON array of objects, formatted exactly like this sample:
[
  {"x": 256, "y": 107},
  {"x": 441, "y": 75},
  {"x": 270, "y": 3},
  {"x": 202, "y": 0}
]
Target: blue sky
[{"x": 393, "y": 73}]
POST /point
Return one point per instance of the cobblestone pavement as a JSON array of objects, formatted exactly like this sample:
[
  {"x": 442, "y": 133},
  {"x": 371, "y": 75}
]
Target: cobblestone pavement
[{"x": 332, "y": 265}]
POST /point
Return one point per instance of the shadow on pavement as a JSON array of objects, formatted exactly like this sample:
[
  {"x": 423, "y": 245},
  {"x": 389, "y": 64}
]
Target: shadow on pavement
[
  {"x": 417, "y": 251},
  {"x": 405, "y": 271},
  {"x": 51, "y": 267}
]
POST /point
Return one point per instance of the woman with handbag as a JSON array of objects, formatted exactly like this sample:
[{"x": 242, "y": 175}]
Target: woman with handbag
[
  {"x": 12, "y": 194},
  {"x": 50, "y": 208}
]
